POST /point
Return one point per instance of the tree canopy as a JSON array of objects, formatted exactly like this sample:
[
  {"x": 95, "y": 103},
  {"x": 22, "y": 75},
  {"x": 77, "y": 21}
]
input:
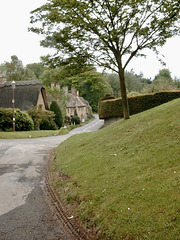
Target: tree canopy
[
  {"x": 107, "y": 32},
  {"x": 15, "y": 71},
  {"x": 163, "y": 81}
]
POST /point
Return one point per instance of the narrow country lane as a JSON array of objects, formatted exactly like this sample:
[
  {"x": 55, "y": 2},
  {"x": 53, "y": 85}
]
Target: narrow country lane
[{"x": 26, "y": 210}]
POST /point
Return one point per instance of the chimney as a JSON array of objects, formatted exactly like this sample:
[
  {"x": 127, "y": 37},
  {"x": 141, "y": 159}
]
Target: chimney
[
  {"x": 58, "y": 86},
  {"x": 73, "y": 91},
  {"x": 65, "y": 88},
  {"x": 77, "y": 93},
  {"x": 52, "y": 85}
]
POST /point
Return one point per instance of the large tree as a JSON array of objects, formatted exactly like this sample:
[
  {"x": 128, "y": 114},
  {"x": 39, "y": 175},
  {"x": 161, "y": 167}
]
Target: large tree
[
  {"x": 163, "y": 81},
  {"x": 14, "y": 70},
  {"x": 107, "y": 32}
]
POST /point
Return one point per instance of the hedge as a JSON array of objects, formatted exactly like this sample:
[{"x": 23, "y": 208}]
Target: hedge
[
  {"x": 23, "y": 121},
  {"x": 113, "y": 107}
]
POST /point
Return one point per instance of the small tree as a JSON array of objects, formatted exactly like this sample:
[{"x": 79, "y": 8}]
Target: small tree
[{"x": 57, "y": 111}]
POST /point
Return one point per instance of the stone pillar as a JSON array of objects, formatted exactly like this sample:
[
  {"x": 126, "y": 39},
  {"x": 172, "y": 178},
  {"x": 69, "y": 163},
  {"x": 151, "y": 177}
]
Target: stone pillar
[
  {"x": 52, "y": 85},
  {"x": 65, "y": 88},
  {"x": 73, "y": 91},
  {"x": 58, "y": 86}
]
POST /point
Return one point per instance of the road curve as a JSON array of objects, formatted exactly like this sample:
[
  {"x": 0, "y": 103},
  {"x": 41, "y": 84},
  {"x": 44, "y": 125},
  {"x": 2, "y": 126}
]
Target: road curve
[{"x": 26, "y": 211}]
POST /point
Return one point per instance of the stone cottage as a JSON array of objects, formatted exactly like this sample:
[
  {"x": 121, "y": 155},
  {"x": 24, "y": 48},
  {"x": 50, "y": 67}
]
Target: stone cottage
[
  {"x": 77, "y": 104},
  {"x": 26, "y": 94}
]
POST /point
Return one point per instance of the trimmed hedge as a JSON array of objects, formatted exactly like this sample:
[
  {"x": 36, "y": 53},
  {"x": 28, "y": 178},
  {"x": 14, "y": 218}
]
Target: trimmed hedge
[
  {"x": 23, "y": 121},
  {"x": 113, "y": 107}
]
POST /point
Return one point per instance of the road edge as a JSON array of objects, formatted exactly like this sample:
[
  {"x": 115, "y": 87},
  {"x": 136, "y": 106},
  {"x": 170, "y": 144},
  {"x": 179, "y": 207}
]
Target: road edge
[{"x": 75, "y": 225}]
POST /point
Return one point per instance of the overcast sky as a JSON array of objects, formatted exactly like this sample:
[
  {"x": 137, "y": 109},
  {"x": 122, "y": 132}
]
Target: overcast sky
[{"x": 16, "y": 40}]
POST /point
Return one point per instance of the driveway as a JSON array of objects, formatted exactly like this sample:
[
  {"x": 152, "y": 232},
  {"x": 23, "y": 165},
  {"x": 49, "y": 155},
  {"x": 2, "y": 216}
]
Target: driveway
[{"x": 26, "y": 209}]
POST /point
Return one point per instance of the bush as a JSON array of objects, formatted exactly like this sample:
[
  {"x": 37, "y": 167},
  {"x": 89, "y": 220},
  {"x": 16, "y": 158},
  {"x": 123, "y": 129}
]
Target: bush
[
  {"x": 113, "y": 107},
  {"x": 23, "y": 121},
  {"x": 67, "y": 120},
  {"x": 58, "y": 115},
  {"x": 48, "y": 124},
  {"x": 43, "y": 120},
  {"x": 75, "y": 120}
]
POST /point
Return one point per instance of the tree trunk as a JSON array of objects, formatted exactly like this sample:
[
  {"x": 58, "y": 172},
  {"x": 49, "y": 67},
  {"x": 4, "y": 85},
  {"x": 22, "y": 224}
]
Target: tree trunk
[{"x": 124, "y": 94}]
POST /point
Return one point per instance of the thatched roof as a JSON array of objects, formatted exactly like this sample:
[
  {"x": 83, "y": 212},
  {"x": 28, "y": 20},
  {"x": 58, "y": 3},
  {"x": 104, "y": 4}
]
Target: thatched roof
[{"x": 26, "y": 94}]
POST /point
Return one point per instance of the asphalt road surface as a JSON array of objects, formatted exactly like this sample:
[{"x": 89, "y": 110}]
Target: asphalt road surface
[{"x": 26, "y": 209}]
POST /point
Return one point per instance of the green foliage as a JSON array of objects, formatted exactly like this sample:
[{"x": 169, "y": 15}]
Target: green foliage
[
  {"x": 67, "y": 120},
  {"x": 14, "y": 70},
  {"x": 55, "y": 94},
  {"x": 126, "y": 185},
  {"x": 113, "y": 80},
  {"x": 107, "y": 33},
  {"x": 137, "y": 104},
  {"x": 36, "y": 68},
  {"x": 134, "y": 83},
  {"x": 23, "y": 121},
  {"x": 75, "y": 120},
  {"x": 51, "y": 76},
  {"x": 57, "y": 111},
  {"x": 163, "y": 81},
  {"x": 43, "y": 120},
  {"x": 6, "y": 116},
  {"x": 92, "y": 86}
]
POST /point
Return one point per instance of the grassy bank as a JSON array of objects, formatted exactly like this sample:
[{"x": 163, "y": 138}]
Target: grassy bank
[{"x": 123, "y": 179}]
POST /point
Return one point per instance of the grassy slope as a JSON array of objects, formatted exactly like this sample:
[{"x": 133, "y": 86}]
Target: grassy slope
[{"x": 124, "y": 178}]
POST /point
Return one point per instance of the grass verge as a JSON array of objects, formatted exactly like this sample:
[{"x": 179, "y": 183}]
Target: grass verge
[
  {"x": 32, "y": 134},
  {"x": 123, "y": 179},
  {"x": 41, "y": 133}
]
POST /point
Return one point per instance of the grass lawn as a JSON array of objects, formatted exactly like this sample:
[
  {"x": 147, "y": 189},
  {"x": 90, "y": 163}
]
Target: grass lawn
[
  {"x": 123, "y": 179},
  {"x": 31, "y": 134}
]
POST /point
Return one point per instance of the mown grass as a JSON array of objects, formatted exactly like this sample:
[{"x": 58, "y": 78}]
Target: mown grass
[
  {"x": 123, "y": 179},
  {"x": 32, "y": 134}
]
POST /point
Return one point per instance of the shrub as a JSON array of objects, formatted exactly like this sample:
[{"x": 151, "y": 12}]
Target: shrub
[
  {"x": 58, "y": 115},
  {"x": 75, "y": 120},
  {"x": 67, "y": 120},
  {"x": 113, "y": 107},
  {"x": 43, "y": 120},
  {"x": 23, "y": 121}
]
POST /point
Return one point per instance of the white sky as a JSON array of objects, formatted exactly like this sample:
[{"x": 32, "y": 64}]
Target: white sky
[{"x": 16, "y": 40}]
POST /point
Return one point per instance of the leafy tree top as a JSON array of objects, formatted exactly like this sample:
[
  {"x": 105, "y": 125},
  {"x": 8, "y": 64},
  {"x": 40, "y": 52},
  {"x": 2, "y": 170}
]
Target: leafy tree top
[{"x": 108, "y": 32}]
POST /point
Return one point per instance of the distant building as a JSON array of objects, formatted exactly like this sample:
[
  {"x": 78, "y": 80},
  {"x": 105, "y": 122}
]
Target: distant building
[
  {"x": 77, "y": 104},
  {"x": 27, "y": 94}
]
